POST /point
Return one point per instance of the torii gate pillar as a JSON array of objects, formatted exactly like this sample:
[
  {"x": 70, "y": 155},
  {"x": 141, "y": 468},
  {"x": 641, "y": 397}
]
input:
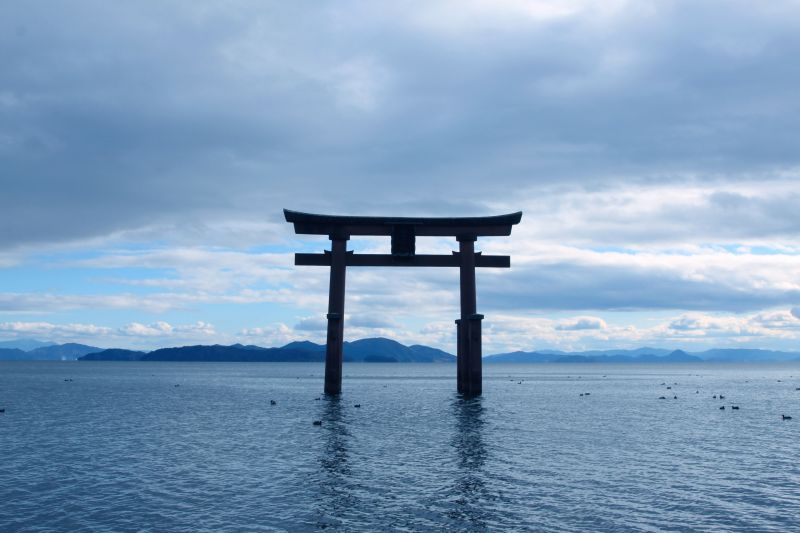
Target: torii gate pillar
[
  {"x": 468, "y": 330},
  {"x": 334, "y": 352}
]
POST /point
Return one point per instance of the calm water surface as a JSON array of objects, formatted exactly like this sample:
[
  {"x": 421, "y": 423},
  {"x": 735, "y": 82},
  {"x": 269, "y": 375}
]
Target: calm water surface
[{"x": 120, "y": 447}]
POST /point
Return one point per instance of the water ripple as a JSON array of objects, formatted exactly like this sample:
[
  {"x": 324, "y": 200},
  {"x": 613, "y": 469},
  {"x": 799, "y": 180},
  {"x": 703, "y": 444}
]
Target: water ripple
[{"x": 122, "y": 448}]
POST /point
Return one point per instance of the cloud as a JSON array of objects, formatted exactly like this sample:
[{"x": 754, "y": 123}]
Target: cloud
[
  {"x": 53, "y": 330},
  {"x": 156, "y": 335},
  {"x": 651, "y": 146},
  {"x": 181, "y": 116},
  {"x": 164, "y": 329},
  {"x": 582, "y": 323},
  {"x": 709, "y": 279},
  {"x": 274, "y": 335},
  {"x": 372, "y": 321},
  {"x": 777, "y": 329},
  {"x": 312, "y": 323}
]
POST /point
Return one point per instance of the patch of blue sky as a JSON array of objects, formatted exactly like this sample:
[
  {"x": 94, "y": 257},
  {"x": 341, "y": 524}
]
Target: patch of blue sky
[
  {"x": 80, "y": 280},
  {"x": 759, "y": 250},
  {"x": 233, "y": 317}
]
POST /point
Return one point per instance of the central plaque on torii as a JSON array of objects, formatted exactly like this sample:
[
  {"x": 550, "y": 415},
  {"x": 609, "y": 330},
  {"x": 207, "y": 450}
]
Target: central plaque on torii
[{"x": 403, "y": 232}]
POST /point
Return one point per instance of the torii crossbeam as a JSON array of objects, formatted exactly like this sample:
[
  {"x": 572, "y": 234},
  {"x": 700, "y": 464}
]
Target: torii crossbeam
[{"x": 404, "y": 231}]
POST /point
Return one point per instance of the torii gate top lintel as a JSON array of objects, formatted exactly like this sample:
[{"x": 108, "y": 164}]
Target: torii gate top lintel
[
  {"x": 313, "y": 224},
  {"x": 404, "y": 231}
]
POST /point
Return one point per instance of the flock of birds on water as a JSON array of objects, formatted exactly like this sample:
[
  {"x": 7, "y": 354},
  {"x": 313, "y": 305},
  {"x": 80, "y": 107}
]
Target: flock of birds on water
[
  {"x": 582, "y": 394},
  {"x": 675, "y": 396}
]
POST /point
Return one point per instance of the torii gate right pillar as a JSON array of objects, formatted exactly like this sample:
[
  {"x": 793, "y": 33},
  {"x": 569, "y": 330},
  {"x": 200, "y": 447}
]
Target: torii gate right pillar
[{"x": 469, "y": 370}]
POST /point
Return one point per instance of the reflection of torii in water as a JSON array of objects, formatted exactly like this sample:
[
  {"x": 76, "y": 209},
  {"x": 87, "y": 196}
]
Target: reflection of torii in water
[{"x": 403, "y": 231}]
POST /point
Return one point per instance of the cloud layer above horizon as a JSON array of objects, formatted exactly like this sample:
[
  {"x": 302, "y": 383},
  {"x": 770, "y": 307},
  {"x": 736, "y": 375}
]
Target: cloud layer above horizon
[{"x": 147, "y": 149}]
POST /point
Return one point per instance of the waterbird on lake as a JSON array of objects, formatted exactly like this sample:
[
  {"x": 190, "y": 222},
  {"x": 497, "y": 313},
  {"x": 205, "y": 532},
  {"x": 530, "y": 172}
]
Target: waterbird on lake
[
  {"x": 721, "y": 397},
  {"x": 357, "y": 405},
  {"x": 669, "y": 388},
  {"x": 273, "y": 402},
  {"x": 723, "y": 407},
  {"x": 317, "y": 422},
  {"x": 662, "y": 397},
  {"x": 675, "y": 397},
  {"x": 2, "y": 410},
  {"x": 735, "y": 407},
  {"x": 786, "y": 417}
]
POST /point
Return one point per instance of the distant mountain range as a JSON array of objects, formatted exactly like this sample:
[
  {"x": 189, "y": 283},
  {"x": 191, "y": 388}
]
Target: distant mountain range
[
  {"x": 44, "y": 351},
  {"x": 374, "y": 350},
  {"x": 366, "y": 350},
  {"x": 644, "y": 355}
]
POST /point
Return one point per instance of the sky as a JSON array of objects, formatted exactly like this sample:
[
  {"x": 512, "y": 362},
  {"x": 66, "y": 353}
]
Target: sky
[{"x": 147, "y": 150}]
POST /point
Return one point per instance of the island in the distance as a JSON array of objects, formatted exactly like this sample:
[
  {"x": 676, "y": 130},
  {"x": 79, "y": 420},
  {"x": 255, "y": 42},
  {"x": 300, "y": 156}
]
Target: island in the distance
[{"x": 378, "y": 350}]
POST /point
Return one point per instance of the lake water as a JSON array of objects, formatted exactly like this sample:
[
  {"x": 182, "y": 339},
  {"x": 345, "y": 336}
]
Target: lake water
[{"x": 120, "y": 447}]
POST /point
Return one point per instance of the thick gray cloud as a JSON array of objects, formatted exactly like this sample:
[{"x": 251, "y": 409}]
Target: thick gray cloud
[
  {"x": 121, "y": 117},
  {"x": 572, "y": 285}
]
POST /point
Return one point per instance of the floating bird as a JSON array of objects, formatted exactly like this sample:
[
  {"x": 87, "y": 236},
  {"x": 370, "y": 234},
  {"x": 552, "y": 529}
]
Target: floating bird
[
  {"x": 697, "y": 392},
  {"x": 317, "y": 422},
  {"x": 587, "y": 393},
  {"x": 2, "y": 410},
  {"x": 317, "y": 398},
  {"x": 675, "y": 397},
  {"x": 272, "y": 402},
  {"x": 662, "y": 397},
  {"x": 721, "y": 397},
  {"x": 357, "y": 405},
  {"x": 735, "y": 407},
  {"x": 581, "y": 394},
  {"x": 715, "y": 396},
  {"x": 798, "y": 388},
  {"x": 669, "y": 388},
  {"x": 723, "y": 407},
  {"x": 786, "y": 417},
  {"x": 177, "y": 385}
]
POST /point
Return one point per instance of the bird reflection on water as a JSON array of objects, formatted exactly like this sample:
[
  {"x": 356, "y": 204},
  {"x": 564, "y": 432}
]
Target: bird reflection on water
[{"x": 469, "y": 487}]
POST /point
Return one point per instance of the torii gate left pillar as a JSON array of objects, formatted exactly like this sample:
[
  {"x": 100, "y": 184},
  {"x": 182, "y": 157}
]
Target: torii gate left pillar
[
  {"x": 403, "y": 231},
  {"x": 334, "y": 352}
]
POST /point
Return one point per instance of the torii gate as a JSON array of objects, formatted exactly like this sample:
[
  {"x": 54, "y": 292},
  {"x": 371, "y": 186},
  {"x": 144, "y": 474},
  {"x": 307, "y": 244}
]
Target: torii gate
[{"x": 403, "y": 231}]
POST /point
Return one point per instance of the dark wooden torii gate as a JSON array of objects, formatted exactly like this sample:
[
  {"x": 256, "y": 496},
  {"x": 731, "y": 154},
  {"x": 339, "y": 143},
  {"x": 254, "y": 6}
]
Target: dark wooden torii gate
[{"x": 403, "y": 231}]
